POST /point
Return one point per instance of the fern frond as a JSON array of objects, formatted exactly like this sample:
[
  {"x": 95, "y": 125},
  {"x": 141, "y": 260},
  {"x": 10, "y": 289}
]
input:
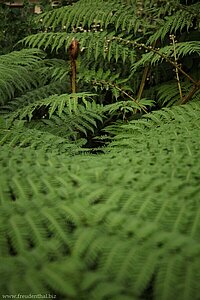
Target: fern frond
[
  {"x": 29, "y": 97},
  {"x": 186, "y": 275},
  {"x": 15, "y": 72},
  {"x": 53, "y": 103},
  {"x": 89, "y": 13},
  {"x": 160, "y": 55},
  {"x": 126, "y": 107},
  {"x": 184, "y": 17},
  {"x": 38, "y": 138},
  {"x": 109, "y": 224},
  {"x": 24, "y": 57}
]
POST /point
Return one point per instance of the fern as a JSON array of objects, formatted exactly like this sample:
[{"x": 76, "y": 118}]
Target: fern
[
  {"x": 182, "y": 49},
  {"x": 105, "y": 226},
  {"x": 120, "y": 221},
  {"x": 112, "y": 34},
  {"x": 54, "y": 103},
  {"x": 15, "y": 72},
  {"x": 28, "y": 78},
  {"x": 37, "y": 137},
  {"x": 184, "y": 17},
  {"x": 31, "y": 96},
  {"x": 88, "y": 13}
]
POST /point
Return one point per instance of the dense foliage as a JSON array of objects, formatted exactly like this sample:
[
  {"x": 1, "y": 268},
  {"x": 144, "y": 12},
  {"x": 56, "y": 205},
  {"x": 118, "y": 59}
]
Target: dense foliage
[
  {"x": 100, "y": 188},
  {"x": 15, "y": 24},
  {"x": 119, "y": 225}
]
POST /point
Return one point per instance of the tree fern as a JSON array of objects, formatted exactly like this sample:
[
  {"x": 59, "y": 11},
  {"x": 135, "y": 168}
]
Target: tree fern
[
  {"x": 105, "y": 226},
  {"x": 119, "y": 221},
  {"x": 112, "y": 34}
]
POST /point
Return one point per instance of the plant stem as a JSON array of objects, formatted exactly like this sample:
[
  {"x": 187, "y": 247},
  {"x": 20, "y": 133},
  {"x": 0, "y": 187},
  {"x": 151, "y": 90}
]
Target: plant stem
[
  {"x": 73, "y": 76},
  {"x": 172, "y": 37},
  {"x": 122, "y": 91},
  {"x": 73, "y": 53},
  {"x": 192, "y": 91},
  {"x": 150, "y": 48},
  {"x": 142, "y": 84},
  {"x": 174, "y": 63}
]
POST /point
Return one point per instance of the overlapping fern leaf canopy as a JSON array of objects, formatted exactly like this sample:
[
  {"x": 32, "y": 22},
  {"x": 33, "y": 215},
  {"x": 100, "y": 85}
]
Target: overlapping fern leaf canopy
[
  {"x": 120, "y": 225},
  {"x": 100, "y": 194}
]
